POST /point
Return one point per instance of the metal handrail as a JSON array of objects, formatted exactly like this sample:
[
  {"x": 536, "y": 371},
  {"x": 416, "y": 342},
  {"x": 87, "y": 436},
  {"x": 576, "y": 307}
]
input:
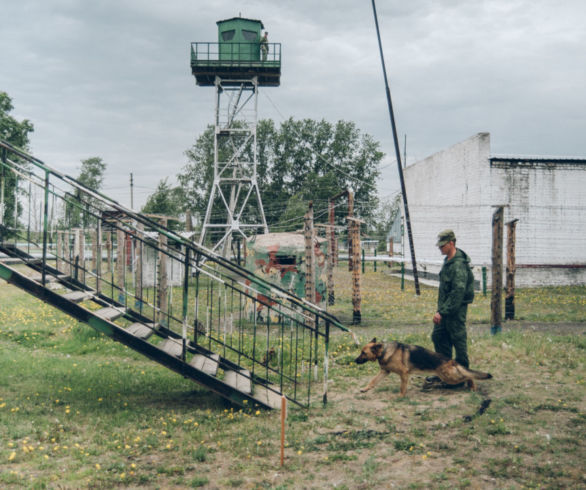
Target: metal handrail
[{"x": 223, "y": 307}]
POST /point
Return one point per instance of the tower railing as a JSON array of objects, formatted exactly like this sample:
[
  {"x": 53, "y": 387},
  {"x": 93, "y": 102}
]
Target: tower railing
[
  {"x": 190, "y": 301},
  {"x": 235, "y": 54},
  {"x": 233, "y": 62}
]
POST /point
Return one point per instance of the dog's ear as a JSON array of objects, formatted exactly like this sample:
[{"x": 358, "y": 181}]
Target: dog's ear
[
  {"x": 376, "y": 348},
  {"x": 373, "y": 341}
]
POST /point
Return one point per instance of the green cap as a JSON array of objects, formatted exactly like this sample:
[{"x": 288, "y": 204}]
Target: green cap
[{"x": 445, "y": 237}]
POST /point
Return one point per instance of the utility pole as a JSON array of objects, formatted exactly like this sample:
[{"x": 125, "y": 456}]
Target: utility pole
[
  {"x": 398, "y": 155},
  {"x": 131, "y": 192}
]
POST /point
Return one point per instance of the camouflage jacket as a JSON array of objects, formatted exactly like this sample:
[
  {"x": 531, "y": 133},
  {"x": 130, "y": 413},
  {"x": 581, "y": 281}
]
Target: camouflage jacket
[{"x": 456, "y": 284}]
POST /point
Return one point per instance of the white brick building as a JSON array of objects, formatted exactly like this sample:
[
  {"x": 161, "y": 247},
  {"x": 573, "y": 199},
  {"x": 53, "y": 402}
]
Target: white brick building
[{"x": 458, "y": 188}]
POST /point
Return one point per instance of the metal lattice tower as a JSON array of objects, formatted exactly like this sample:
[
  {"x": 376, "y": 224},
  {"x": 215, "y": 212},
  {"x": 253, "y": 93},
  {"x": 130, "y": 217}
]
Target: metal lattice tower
[
  {"x": 236, "y": 66},
  {"x": 235, "y": 204}
]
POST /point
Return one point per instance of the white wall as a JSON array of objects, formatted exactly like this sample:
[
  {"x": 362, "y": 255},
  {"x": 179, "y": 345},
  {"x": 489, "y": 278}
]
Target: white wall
[{"x": 458, "y": 188}]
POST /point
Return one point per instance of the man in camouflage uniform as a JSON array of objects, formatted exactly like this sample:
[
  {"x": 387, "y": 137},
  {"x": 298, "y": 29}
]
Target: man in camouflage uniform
[
  {"x": 456, "y": 292},
  {"x": 264, "y": 46}
]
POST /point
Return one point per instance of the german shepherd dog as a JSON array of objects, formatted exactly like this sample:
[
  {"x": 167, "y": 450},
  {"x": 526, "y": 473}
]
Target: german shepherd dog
[{"x": 404, "y": 359}]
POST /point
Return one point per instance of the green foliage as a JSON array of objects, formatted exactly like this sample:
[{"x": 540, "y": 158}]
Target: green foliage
[
  {"x": 81, "y": 411},
  {"x": 16, "y": 133},
  {"x": 80, "y": 206},
  {"x": 11, "y": 130},
  {"x": 166, "y": 200},
  {"x": 92, "y": 173},
  {"x": 299, "y": 161}
]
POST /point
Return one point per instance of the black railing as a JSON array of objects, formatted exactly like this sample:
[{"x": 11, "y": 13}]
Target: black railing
[
  {"x": 235, "y": 54},
  {"x": 177, "y": 288}
]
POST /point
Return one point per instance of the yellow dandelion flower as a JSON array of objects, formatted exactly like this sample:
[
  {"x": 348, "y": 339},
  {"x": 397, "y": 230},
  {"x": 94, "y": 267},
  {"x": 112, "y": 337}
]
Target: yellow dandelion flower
[{"x": 12, "y": 456}]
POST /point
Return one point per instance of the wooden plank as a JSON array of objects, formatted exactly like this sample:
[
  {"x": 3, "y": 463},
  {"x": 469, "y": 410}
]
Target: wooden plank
[
  {"x": 208, "y": 365},
  {"x": 268, "y": 397},
  {"x": 109, "y": 314},
  {"x": 141, "y": 330},
  {"x": 239, "y": 380},
  {"x": 77, "y": 296},
  {"x": 172, "y": 347},
  {"x": 39, "y": 277}
]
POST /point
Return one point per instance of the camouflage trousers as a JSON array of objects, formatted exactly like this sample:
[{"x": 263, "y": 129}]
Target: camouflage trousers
[{"x": 451, "y": 333}]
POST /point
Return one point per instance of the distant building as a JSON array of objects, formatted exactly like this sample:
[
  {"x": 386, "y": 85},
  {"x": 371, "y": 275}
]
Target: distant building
[{"x": 458, "y": 188}]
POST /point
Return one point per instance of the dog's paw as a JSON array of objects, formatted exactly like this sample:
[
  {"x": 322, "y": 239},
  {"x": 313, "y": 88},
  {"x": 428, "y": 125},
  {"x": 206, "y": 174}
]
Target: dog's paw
[{"x": 363, "y": 390}]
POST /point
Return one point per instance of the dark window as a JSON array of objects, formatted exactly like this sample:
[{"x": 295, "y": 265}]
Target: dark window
[
  {"x": 249, "y": 35},
  {"x": 285, "y": 259},
  {"x": 228, "y": 35}
]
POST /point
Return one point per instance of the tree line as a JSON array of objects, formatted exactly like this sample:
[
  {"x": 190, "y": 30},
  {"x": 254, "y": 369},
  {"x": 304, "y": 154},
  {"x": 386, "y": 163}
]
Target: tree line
[{"x": 297, "y": 161}]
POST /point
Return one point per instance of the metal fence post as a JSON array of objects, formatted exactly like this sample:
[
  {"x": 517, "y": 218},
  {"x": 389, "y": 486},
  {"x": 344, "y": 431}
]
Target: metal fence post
[{"x": 45, "y": 228}]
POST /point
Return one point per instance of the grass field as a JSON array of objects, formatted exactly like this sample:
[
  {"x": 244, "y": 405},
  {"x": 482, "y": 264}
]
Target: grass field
[{"x": 78, "y": 410}]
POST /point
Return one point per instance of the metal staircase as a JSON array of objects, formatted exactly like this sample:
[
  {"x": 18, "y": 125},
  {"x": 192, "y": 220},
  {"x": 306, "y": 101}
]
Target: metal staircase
[{"x": 157, "y": 292}]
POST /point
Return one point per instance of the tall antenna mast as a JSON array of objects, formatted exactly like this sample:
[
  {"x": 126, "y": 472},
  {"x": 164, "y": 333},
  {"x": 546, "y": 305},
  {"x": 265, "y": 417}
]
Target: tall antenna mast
[{"x": 398, "y": 156}]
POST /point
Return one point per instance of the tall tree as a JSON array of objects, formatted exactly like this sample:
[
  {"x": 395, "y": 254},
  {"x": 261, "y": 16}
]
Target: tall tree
[
  {"x": 166, "y": 200},
  {"x": 16, "y": 133},
  {"x": 92, "y": 173},
  {"x": 81, "y": 208},
  {"x": 300, "y": 160}
]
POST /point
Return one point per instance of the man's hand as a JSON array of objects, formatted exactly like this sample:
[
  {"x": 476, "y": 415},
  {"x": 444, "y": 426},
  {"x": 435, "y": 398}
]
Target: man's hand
[{"x": 437, "y": 318}]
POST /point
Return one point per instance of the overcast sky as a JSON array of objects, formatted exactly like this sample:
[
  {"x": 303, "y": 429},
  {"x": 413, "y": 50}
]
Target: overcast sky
[{"x": 111, "y": 78}]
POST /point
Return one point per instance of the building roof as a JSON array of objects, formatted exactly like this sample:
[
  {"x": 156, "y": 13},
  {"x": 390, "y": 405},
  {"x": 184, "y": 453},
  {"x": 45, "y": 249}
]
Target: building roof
[
  {"x": 242, "y": 18},
  {"x": 535, "y": 161}
]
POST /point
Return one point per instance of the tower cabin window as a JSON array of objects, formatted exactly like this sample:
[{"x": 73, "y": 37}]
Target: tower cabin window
[
  {"x": 228, "y": 35},
  {"x": 249, "y": 35}
]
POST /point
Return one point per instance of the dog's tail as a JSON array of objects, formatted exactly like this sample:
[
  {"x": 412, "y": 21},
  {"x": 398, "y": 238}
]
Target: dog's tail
[{"x": 479, "y": 374}]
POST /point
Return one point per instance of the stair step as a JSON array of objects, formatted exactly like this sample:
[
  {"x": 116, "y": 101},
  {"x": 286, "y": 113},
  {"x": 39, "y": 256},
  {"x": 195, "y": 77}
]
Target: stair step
[
  {"x": 109, "y": 313},
  {"x": 78, "y": 296},
  {"x": 172, "y": 347},
  {"x": 268, "y": 397},
  {"x": 38, "y": 277},
  {"x": 208, "y": 365},
  {"x": 239, "y": 380},
  {"x": 10, "y": 260},
  {"x": 141, "y": 330}
]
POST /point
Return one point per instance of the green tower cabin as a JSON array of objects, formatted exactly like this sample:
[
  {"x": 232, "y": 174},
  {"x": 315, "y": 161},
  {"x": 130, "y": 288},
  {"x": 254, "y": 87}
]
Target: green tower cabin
[{"x": 238, "y": 54}]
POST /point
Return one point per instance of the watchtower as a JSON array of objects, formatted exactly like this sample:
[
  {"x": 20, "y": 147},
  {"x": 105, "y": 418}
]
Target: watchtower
[{"x": 237, "y": 65}]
